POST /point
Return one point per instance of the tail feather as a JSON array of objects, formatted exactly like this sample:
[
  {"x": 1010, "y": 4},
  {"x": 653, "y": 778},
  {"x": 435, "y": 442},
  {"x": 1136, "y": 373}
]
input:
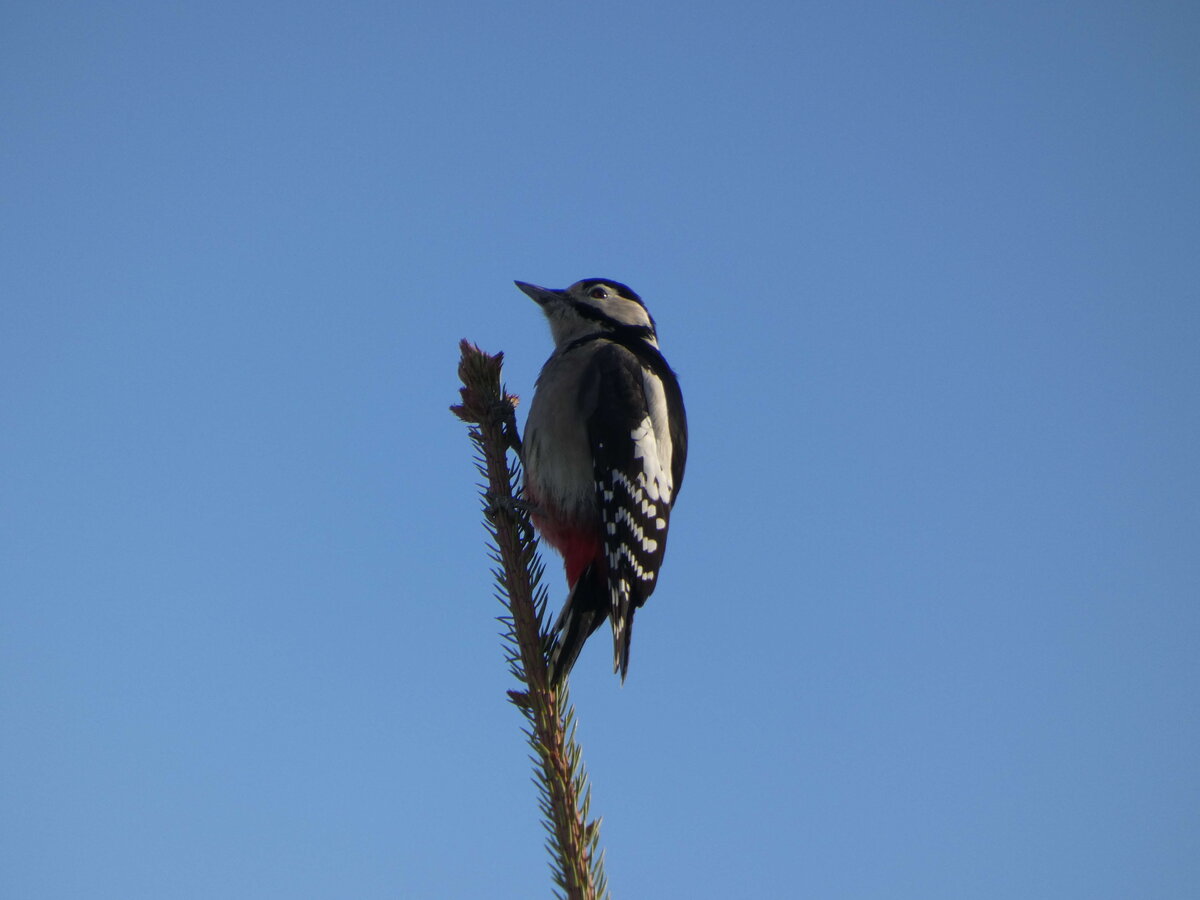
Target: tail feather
[
  {"x": 584, "y": 611},
  {"x": 622, "y": 627}
]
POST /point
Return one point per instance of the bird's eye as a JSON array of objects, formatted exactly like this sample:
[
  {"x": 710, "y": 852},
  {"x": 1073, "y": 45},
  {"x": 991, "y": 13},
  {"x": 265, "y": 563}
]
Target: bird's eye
[{"x": 596, "y": 293}]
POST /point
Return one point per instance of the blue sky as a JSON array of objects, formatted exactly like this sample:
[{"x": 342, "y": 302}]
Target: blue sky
[{"x": 928, "y": 625}]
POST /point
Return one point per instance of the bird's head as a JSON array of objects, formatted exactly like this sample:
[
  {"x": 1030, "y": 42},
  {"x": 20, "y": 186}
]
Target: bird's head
[{"x": 590, "y": 306}]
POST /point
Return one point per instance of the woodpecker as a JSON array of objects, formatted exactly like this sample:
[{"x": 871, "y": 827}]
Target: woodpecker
[{"x": 604, "y": 450}]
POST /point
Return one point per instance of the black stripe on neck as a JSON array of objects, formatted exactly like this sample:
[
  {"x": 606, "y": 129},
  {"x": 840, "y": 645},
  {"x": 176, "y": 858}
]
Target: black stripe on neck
[
  {"x": 633, "y": 339},
  {"x": 628, "y": 336},
  {"x": 587, "y": 311}
]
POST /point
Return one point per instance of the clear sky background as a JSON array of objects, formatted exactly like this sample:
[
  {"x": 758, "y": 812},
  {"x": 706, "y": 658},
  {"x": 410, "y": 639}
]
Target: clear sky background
[{"x": 929, "y": 623}]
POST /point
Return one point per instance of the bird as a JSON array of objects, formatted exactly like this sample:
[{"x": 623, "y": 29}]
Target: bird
[{"x": 603, "y": 457}]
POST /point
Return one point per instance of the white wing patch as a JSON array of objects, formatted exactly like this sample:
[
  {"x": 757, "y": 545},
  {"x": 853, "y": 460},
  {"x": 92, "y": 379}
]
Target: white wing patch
[
  {"x": 652, "y": 442},
  {"x": 637, "y": 495},
  {"x": 648, "y": 544}
]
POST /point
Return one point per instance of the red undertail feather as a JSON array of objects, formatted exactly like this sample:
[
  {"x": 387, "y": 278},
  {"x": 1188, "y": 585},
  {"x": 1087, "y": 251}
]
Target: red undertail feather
[{"x": 579, "y": 547}]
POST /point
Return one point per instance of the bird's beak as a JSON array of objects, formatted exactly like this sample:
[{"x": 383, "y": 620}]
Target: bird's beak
[{"x": 540, "y": 295}]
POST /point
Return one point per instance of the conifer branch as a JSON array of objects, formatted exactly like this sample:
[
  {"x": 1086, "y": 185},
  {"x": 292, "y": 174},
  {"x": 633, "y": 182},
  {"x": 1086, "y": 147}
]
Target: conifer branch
[{"x": 577, "y": 863}]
